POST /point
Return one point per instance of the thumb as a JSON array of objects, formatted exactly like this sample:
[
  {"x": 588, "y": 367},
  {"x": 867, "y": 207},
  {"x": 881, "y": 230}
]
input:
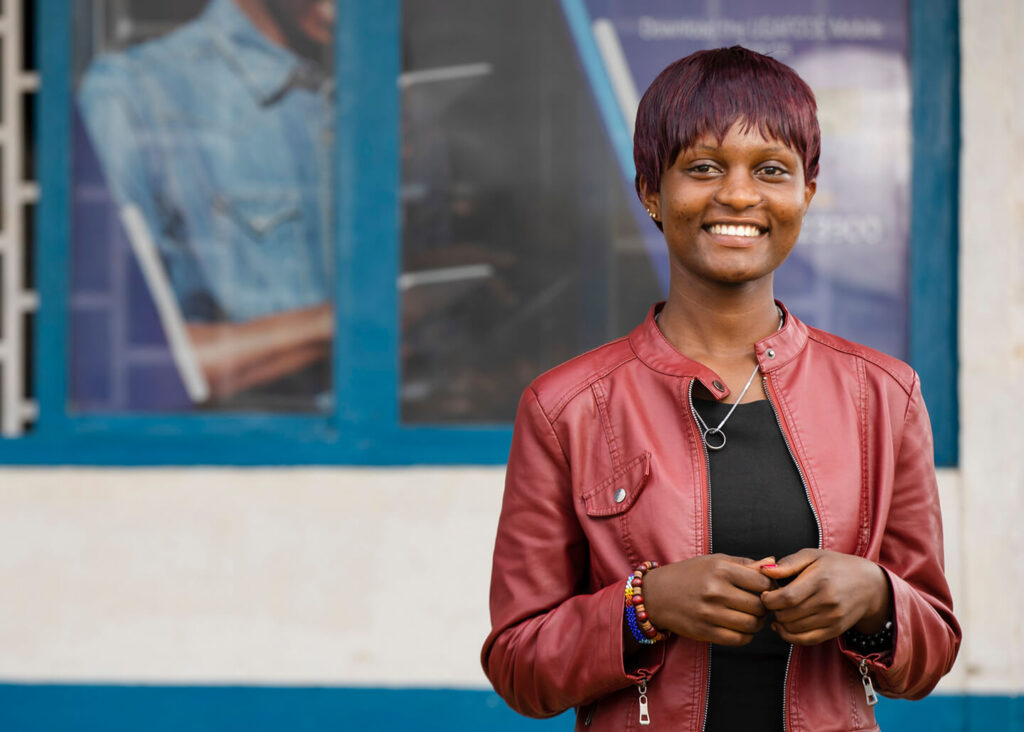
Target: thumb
[{"x": 792, "y": 564}]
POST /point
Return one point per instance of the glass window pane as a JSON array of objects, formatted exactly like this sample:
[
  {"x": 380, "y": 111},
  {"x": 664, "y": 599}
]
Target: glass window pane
[
  {"x": 520, "y": 248},
  {"x": 523, "y": 242},
  {"x": 202, "y": 270}
]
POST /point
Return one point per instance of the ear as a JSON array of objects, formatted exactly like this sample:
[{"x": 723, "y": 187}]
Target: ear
[
  {"x": 809, "y": 190},
  {"x": 651, "y": 200}
]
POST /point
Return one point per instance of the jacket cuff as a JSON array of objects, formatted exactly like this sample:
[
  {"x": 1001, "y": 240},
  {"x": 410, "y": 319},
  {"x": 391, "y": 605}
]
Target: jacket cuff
[
  {"x": 881, "y": 659},
  {"x": 640, "y": 665}
]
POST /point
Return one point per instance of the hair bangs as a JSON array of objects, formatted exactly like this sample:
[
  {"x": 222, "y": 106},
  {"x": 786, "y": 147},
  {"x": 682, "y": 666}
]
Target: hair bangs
[{"x": 706, "y": 93}]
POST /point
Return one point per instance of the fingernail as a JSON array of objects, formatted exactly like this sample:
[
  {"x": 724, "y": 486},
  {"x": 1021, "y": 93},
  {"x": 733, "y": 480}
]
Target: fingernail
[{"x": 766, "y": 566}]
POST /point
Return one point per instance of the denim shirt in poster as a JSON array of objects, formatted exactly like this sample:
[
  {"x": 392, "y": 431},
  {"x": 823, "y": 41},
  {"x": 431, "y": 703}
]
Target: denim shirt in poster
[{"x": 224, "y": 141}]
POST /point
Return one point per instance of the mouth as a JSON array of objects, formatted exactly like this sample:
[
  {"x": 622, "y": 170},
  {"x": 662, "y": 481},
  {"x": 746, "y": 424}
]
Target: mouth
[{"x": 743, "y": 231}]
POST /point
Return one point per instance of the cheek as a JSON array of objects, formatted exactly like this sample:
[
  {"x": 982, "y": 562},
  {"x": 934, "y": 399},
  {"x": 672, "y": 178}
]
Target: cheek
[
  {"x": 684, "y": 209},
  {"x": 792, "y": 210}
]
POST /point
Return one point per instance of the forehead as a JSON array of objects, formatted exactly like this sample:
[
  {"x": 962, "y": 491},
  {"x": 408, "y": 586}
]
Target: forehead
[{"x": 741, "y": 137}]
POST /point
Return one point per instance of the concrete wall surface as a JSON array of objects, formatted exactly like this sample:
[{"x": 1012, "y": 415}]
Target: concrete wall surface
[{"x": 992, "y": 342}]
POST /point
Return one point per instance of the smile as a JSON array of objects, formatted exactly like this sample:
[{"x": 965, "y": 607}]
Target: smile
[{"x": 735, "y": 230}]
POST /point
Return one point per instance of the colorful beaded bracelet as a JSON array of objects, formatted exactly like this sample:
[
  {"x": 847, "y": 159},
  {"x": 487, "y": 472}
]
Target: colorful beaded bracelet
[{"x": 639, "y": 624}]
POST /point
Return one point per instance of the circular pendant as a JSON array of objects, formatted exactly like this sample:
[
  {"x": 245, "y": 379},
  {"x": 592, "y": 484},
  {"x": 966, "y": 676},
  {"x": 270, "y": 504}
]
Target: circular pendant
[{"x": 714, "y": 438}]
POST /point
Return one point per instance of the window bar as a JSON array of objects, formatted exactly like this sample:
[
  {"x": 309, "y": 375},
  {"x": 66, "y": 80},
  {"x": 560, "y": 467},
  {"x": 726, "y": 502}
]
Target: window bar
[{"x": 16, "y": 297}]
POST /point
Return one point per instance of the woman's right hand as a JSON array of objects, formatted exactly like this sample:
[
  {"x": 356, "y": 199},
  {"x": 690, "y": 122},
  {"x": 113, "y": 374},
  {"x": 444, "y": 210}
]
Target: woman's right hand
[{"x": 714, "y": 598}]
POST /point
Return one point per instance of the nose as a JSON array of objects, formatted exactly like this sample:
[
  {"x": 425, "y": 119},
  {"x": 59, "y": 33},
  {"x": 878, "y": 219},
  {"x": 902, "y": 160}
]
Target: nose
[{"x": 738, "y": 191}]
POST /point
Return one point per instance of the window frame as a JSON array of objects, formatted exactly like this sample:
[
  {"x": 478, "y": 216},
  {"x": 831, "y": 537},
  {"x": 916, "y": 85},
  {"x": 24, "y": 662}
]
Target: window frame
[{"x": 365, "y": 427}]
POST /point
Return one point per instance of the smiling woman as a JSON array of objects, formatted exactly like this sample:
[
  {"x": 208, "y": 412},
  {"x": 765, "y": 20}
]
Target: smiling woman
[{"x": 823, "y": 573}]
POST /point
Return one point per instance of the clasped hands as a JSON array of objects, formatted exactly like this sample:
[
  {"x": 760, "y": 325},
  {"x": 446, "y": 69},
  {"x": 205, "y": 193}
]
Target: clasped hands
[{"x": 726, "y": 600}]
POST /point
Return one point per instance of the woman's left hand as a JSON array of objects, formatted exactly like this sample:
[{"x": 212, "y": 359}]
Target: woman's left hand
[{"x": 830, "y": 592}]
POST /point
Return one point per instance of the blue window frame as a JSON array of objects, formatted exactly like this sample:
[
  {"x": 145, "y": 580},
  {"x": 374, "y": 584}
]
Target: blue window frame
[
  {"x": 934, "y": 231},
  {"x": 365, "y": 427}
]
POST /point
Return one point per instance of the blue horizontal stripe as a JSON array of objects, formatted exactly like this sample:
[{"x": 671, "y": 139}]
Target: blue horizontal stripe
[{"x": 47, "y": 708}]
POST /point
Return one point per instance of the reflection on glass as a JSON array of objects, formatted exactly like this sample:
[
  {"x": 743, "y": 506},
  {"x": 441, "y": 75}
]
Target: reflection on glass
[
  {"x": 519, "y": 248},
  {"x": 202, "y": 273},
  {"x": 523, "y": 241}
]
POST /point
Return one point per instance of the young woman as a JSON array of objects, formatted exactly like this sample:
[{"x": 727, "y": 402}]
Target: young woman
[{"x": 727, "y": 520}]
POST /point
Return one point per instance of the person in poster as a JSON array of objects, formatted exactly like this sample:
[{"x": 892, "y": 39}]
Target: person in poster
[{"x": 216, "y": 144}]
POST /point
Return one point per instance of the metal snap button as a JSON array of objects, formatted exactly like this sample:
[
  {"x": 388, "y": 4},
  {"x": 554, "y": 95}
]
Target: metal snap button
[
  {"x": 620, "y": 495},
  {"x": 770, "y": 353},
  {"x": 718, "y": 385}
]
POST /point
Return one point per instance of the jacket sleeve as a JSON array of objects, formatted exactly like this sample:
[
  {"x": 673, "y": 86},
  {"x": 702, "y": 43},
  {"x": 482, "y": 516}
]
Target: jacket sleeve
[
  {"x": 927, "y": 634},
  {"x": 553, "y": 645},
  {"x": 114, "y": 102}
]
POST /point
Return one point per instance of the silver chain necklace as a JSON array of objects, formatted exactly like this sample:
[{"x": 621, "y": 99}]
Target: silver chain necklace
[{"x": 706, "y": 431}]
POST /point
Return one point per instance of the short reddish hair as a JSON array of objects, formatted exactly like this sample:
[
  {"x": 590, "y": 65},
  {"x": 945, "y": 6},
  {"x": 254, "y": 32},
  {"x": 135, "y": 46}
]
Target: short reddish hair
[{"x": 706, "y": 92}]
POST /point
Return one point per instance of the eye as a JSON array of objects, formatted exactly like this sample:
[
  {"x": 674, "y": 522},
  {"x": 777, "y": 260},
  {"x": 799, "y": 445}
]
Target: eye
[
  {"x": 773, "y": 171},
  {"x": 702, "y": 169}
]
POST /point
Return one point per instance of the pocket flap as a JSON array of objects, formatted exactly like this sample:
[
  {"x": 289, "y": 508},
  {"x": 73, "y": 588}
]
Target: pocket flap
[
  {"x": 259, "y": 214},
  {"x": 617, "y": 493}
]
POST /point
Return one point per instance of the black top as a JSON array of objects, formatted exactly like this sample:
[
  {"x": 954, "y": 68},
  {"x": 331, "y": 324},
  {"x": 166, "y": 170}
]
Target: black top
[{"x": 758, "y": 508}]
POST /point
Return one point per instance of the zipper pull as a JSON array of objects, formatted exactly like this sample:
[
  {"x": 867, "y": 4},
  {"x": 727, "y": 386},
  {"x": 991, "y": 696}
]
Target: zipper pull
[
  {"x": 589, "y": 716},
  {"x": 645, "y": 717},
  {"x": 869, "y": 688}
]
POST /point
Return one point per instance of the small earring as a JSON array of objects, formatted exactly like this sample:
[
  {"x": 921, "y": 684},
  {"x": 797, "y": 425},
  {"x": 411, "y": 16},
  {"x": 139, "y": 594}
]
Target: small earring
[{"x": 652, "y": 215}]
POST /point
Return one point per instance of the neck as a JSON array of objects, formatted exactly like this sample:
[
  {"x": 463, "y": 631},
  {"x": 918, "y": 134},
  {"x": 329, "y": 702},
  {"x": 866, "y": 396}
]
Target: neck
[
  {"x": 261, "y": 17},
  {"x": 715, "y": 324},
  {"x": 269, "y": 21}
]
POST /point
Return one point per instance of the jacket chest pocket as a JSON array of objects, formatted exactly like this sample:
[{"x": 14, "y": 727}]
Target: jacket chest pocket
[
  {"x": 619, "y": 492},
  {"x": 608, "y": 506}
]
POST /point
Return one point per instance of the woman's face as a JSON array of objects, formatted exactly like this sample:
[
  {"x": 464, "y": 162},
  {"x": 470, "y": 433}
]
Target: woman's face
[{"x": 731, "y": 212}]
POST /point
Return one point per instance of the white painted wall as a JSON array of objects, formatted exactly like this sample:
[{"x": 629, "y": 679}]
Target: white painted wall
[
  {"x": 295, "y": 576},
  {"x": 298, "y": 576},
  {"x": 320, "y": 576}
]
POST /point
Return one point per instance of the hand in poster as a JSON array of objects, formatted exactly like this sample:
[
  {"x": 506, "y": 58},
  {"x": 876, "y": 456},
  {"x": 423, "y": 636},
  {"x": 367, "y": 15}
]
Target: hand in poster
[{"x": 238, "y": 356}]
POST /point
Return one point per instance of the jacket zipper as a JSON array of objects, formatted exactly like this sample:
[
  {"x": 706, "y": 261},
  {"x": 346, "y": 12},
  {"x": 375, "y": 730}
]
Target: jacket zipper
[
  {"x": 817, "y": 521},
  {"x": 865, "y": 678},
  {"x": 645, "y": 716},
  {"x": 707, "y": 486}
]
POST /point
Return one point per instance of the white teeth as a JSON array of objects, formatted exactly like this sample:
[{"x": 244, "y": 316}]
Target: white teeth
[{"x": 735, "y": 230}]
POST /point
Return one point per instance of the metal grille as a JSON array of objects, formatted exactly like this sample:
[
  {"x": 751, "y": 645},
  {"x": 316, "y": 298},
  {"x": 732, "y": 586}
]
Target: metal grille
[{"x": 18, "y": 195}]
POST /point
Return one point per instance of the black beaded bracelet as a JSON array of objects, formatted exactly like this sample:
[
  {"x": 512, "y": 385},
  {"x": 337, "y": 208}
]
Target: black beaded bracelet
[{"x": 874, "y": 643}]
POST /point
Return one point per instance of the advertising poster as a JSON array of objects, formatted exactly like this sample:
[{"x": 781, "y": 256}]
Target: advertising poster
[{"x": 201, "y": 268}]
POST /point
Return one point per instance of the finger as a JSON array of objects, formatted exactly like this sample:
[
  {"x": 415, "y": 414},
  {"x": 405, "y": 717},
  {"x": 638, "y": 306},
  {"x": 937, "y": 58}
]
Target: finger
[
  {"x": 725, "y": 637},
  {"x": 805, "y": 624},
  {"x": 792, "y": 595},
  {"x": 792, "y": 564},
  {"x": 740, "y": 622},
  {"x": 744, "y": 602},
  {"x": 748, "y": 578},
  {"x": 809, "y": 638},
  {"x": 794, "y": 614},
  {"x": 745, "y": 562}
]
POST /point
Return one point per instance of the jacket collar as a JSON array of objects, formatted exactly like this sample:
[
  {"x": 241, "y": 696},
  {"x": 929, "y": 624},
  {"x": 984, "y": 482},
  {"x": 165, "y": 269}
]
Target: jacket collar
[
  {"x": 266, "y": 69},
  {"x": 650, "y": 346}
]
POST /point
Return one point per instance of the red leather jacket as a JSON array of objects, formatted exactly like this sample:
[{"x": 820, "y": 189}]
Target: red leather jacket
[{"x": 619, "y": 417}]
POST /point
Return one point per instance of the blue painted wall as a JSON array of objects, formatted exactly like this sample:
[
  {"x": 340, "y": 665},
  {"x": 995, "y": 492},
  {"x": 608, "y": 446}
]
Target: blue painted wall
[{"x": 69, "y": 708}]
